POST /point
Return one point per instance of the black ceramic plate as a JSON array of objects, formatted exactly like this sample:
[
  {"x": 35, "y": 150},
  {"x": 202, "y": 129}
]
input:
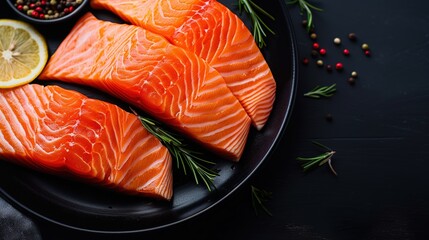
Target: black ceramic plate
[{"x": 67, "y": 203}]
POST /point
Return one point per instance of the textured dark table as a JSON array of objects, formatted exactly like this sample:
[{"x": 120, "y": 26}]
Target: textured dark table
[{"x": 379, "y": 129}]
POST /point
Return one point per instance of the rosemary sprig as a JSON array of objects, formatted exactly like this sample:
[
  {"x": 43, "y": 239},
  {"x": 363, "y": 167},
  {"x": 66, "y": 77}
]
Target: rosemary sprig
[
  {"x": 185, "y": 157},
  {"x": 325, "y": 91},
  {"x": 259, "y": 197},
  {"x": 306, "y": 7},
  {"x": 259, "y": 26},
  {"x": 310, "y": 162}
]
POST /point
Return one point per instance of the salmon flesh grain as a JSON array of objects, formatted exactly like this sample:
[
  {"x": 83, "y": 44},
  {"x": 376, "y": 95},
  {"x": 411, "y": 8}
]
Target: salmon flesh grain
[
  {"x": 170, "y": 83},
  {"x": 63, "y": 132},
  {"x": 214, "y": 33}
]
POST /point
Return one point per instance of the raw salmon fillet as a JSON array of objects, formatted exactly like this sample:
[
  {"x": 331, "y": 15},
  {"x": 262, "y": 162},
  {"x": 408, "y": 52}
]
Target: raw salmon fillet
[
  {"x": 214, "y": 33},
  {"x": 142, "y": 68},
  {"x": 63, "y": 132}
]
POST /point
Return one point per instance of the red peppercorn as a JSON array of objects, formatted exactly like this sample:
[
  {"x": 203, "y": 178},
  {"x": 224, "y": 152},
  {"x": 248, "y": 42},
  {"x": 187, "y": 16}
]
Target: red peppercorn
[
  {"x": 43, "y": 2},
  {"x": 39, "y": 9},
  {"x": 305, "y": 61},
  {"x": 71, "y": 8},
  {"x": 367, "y": 53},
  {"x": 316, "y": 45},
  {"x": 32, "y": 5},
  {"x": 339, "y": 66},
  {"x": 322, "y": 51},
  {"x": 66, "y": 10},
  {"x": 42, "y": 16},
  {"x": 346, "y": 52},
  {"x": 35, "y": 14},
  {"x": 19, "y": 7}
]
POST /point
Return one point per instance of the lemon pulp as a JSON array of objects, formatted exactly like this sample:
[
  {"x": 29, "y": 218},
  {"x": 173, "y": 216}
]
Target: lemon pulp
[{"x": 23, "y": 53}]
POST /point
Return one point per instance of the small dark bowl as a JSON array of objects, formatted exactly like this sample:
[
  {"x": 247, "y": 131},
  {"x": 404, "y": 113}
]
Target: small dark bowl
[{"x": 65, "y": 19}]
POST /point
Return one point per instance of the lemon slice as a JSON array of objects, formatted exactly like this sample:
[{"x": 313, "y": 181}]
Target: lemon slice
[{"x": 23, "y": 53}]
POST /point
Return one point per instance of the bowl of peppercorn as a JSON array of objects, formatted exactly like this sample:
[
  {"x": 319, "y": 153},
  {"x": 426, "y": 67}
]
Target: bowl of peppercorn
[{"x": 48, "y": 11}]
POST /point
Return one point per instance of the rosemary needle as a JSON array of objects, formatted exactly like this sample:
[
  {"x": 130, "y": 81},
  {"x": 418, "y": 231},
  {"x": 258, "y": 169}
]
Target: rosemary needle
[
  {"x": 306, "y": 7},
  {"x": 310, "y": 162},
  {"x": 185, "y": 157},
  {"x": 259, "y": 197},
  {"x": 259, "y": 26},
  {"x": 325, "y": 91}
]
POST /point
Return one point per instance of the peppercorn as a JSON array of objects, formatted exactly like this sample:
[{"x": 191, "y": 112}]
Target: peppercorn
[
  {"x": 313, "y": 36},
  {"x": 47, "y": 9},
  {"x": 351, "y": 80},
  {"x": 322, "y": 51},
  {"x": 337, "y": 41},
  {"x": 328, "y": 117},
  {"x": 314, "y": 53},
  {"x": 339, "y": 66},
  {"x": 354, "y": 74},
  {"x": 346, "y": 52},
  {"x": 319, "y": 63},
  {"x": 329, "y": 68},
  {"x": 365, "y": 46},
  {"x": 367, "y": 53},
  {"x": 316, "y": 45},
  {"x": 352, "y": 36},
  {"x": 304, "y": 23},
  {"x": 305, "y": 61}
]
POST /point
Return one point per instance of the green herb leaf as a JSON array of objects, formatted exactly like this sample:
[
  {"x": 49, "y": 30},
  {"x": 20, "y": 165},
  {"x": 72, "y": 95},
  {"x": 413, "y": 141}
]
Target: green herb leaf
[
  {"x": 308, "y": 163},
  {"x": 306, "y": 7},
  {"x": 318, "y": 91},
  {"x": 259, "y": 26},
  {"x": 187, "y": 159},
  {"x": 259, "y": 197}
]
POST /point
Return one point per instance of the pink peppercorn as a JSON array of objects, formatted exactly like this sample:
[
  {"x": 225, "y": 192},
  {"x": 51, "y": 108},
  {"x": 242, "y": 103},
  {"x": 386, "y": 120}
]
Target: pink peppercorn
[
  {"x": 339, "y": 66},
  {"x": 316, "y": 45},
  {"x": 346, "y": 52}
]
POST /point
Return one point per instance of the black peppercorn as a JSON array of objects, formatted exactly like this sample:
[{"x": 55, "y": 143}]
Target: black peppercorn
[{"x": 352, "y": 36}]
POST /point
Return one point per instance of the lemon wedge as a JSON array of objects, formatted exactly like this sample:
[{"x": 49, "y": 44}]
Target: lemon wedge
[{"x": 23, "y": 53}]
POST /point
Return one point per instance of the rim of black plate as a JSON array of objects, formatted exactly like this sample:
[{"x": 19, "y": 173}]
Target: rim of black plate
[{"x": 293, "y": 84}]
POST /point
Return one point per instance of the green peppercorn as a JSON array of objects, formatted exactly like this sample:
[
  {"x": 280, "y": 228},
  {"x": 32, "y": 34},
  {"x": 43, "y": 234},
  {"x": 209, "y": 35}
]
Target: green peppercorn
[{"x": 365, "y": 46}]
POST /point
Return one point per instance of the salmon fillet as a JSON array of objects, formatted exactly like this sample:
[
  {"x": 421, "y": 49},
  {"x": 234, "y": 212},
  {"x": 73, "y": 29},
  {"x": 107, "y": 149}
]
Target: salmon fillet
[
  {"x": 214, "y": 33},
  {"x": 63, "y": 132},
  {"x": 145, "y": 70}
]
